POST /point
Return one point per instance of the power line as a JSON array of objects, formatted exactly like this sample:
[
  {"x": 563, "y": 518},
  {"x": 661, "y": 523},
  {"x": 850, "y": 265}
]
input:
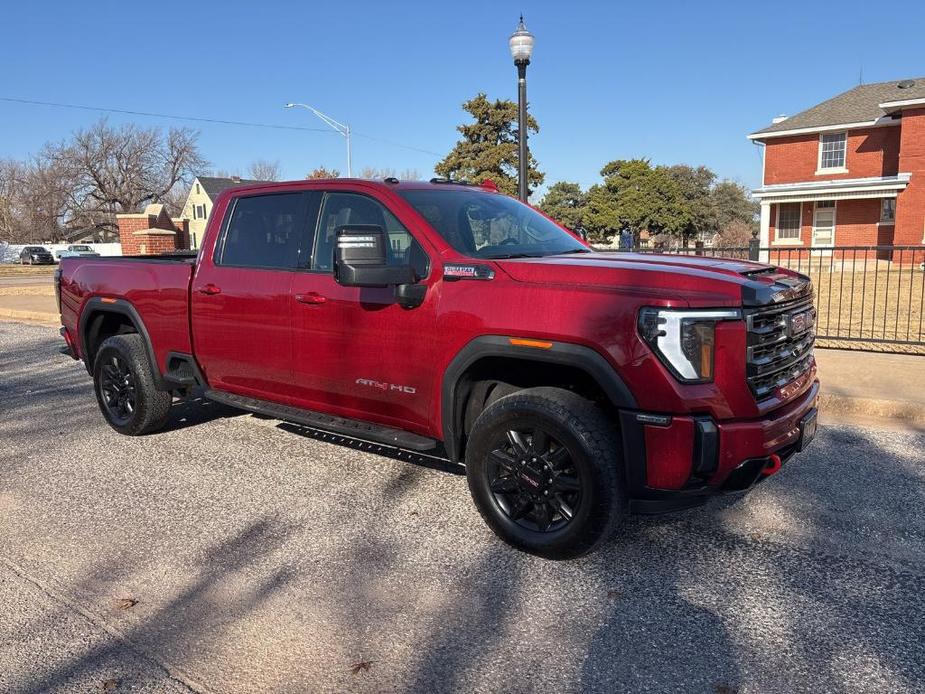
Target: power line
[
  {"x": 197, "y": 119},
  {"x": 150, "y": 114}
]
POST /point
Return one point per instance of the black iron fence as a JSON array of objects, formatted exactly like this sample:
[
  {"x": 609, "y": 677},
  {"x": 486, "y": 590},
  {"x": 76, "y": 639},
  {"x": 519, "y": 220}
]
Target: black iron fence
[{"x": 867, "y": 297}]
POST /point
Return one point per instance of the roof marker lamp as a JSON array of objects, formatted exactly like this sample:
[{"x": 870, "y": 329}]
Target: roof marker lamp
[{"x": 684, "y": 339}]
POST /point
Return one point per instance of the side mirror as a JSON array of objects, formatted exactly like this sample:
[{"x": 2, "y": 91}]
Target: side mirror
[{"x": 361, "y": 260}]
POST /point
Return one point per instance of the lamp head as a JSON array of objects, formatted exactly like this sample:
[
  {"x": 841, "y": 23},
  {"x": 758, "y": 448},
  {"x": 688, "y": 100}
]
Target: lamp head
[{"x": 521, "y": 43}]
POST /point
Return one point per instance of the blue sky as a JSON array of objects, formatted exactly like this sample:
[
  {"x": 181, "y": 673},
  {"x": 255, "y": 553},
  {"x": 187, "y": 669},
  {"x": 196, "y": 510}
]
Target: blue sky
[{"x": 679, "y": 82}]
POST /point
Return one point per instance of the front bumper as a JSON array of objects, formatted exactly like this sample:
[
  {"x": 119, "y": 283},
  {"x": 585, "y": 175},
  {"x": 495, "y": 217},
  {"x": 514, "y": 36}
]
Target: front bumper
[{"x": 677, "y": 462}]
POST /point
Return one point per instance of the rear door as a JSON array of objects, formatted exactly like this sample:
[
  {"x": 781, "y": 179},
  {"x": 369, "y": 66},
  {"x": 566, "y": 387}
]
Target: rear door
[{"x": 240, "y": 300}]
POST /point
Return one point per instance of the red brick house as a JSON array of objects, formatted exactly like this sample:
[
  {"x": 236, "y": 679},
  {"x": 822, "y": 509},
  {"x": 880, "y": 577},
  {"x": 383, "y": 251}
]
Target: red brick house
[{"x": 847, "y": 172}]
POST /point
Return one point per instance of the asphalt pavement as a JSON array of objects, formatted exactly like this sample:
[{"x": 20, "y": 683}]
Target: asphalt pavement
[{"x": 237, "y": 554}]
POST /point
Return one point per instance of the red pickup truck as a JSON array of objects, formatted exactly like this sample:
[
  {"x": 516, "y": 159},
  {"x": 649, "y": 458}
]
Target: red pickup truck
[{"x": 575, "y": 386}]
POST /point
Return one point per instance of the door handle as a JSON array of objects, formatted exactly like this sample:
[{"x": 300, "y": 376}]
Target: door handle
[
  {"x": 210, "y": 289},
  {"x": 310, "y": 298}
]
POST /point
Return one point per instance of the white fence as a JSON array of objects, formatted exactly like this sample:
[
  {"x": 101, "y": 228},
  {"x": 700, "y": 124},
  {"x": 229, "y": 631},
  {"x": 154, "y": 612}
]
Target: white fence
[{"x": 9, "y": 253}]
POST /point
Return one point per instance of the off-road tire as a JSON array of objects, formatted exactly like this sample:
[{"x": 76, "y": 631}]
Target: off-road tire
[
  {"x": 151, "y": 407},
  {"x": 593, "y": 444}
]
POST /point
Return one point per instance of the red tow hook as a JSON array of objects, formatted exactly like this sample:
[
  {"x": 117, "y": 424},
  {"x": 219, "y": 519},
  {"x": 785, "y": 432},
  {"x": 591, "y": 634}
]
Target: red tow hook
[{"x": 774, "y": 463}]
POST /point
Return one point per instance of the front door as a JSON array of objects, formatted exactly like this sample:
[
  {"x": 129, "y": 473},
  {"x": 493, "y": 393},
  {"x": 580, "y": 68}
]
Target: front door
[
  {"x": 241, "y": 303},
  {"x": 824, "y": 225},
  {"x": 356, "y": 352}
]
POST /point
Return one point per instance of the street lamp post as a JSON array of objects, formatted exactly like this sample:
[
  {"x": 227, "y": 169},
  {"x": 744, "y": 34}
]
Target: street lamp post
[
  {"x": 339, "y": 127},
  {"x": 521, "y": 45}
]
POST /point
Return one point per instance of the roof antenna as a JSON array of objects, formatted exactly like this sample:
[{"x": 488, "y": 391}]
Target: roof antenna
[{"x": 861, "y": 75}]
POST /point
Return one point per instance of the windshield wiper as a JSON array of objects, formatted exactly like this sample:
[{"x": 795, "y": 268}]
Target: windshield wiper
[
  {"x": 575, "y": 250},
  {"x": 508, "y": 256}
]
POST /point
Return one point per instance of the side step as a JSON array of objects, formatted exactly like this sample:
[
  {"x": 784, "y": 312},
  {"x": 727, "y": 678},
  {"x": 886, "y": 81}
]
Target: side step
[{"x": 325, "y": 422}]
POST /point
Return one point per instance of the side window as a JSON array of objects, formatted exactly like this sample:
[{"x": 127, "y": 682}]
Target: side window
[
  {"x": 351, "y": 208},
  {"x": 265, "y": 231}
]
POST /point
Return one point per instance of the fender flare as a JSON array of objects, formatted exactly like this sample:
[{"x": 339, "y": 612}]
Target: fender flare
[
  {"x": 95, "y": 306},
  {"x": 564, "y": 353}
]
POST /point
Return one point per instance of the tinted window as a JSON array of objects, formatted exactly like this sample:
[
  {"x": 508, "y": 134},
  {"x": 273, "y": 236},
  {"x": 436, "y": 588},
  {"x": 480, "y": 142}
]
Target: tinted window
[
  {"x": 265, "y": 231},
  {"x": 490, "y": 225},
  {"x": 349, "y": 208}
]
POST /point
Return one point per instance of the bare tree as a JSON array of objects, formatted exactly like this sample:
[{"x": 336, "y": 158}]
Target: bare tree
[
  {"x": 372, "y": 173},
  {"x": 12, "y": 184},
  {"x": 322, "y": 172},
  {"x": 121, "y": 169},
  {"x": 263, "y": 170},
  {"x": 175, "y": 200},
  {"x": 736, "y": 234}
]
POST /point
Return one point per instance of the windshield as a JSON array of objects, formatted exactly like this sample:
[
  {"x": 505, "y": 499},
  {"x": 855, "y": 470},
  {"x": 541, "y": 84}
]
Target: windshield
[
  {"x": 80, "y": 248},
  {"x": 490, "y": 225}
]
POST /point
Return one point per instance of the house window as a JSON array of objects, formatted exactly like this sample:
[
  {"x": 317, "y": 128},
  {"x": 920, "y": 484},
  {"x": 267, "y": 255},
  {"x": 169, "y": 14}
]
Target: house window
[
  {"x": 788, "y": 221},
  {"x": 832, "y": 151},
  {"x": 197, "y": 189},
  {"x": 888, "y": 211}
]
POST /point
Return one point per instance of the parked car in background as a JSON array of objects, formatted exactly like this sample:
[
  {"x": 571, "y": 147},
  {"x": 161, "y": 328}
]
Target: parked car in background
[
  {"x": 36, "y": 255},
  {"x": 78, "y": 250}
]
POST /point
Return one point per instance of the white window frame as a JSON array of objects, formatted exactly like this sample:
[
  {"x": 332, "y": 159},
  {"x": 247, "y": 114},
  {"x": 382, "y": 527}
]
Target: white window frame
[
  {"x": 832, "y": 169},
  {"x": 778, "y": 240}
]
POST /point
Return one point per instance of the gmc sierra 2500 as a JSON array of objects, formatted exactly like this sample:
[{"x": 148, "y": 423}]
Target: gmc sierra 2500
[{"x": 575, "y": 386}]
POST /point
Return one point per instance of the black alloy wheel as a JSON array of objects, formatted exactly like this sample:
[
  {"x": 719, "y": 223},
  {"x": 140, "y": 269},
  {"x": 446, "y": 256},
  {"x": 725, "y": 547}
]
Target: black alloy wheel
[
  {"x": 533, "y": 480},
  {"x": 117, "y": 388},
  {"x": 545, "y": 471},
  {"x": 124, "y": 383}
]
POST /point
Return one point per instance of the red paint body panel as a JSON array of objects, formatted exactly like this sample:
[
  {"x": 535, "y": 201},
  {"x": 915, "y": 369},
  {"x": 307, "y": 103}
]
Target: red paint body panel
[{"x": 355, "y": 352}]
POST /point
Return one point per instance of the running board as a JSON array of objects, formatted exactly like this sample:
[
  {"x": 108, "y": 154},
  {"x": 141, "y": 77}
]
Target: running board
[{"x": 337, "y": 425}]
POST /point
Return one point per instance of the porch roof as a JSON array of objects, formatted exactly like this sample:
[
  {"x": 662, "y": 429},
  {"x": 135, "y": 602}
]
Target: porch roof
[{"x": 843, "y": 189}]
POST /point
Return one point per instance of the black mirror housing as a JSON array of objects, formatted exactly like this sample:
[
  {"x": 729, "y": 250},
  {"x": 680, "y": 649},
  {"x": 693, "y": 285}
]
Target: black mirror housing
[{"x": 361, "y": 258}]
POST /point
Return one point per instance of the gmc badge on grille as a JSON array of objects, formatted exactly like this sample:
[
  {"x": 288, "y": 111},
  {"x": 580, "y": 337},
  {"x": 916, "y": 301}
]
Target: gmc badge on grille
[{"x": 799, "y": 323}]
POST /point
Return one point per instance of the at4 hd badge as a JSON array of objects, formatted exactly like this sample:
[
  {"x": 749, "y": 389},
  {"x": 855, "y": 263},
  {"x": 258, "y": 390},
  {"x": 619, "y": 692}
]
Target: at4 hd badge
[{"x": 457, "y": 271}]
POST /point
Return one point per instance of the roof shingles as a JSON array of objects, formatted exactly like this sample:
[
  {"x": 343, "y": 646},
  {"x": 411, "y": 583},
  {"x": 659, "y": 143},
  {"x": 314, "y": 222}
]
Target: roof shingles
[
  {"x": 858, "y": 105},
  {"x": 213, "y": 185}
]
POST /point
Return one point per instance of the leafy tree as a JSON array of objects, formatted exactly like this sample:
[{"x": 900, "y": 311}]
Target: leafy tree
[
  {"x": 694, "y": 187},
  {"x": 322, "y": 172},
  {"x": 635, "y": 197},
  {"x": 732, "y": 202},
  {"x": 488, "y": 148},
  {"x": 565, "y": 202}
]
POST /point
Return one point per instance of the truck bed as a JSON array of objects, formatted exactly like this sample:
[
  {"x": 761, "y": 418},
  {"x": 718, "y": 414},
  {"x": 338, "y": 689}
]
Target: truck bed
[{"x": 156, "y": 288}]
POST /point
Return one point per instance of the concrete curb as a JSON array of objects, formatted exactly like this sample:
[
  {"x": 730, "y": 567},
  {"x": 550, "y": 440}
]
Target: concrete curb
[{"x": 835, "y": 407}]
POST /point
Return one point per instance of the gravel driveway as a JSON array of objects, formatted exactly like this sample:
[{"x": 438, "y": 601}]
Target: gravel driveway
[{"x": 238, "y": 554}]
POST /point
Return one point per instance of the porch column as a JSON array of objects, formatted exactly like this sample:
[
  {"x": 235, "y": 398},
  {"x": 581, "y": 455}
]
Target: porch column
[{"x": 764, "y": 233}]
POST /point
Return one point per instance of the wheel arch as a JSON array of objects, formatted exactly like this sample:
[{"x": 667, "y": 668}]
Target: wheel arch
[
  {"x": 97, "y": 314},
  {"x": 498, "y": 349}
]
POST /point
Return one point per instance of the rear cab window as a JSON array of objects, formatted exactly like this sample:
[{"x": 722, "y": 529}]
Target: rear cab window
[{"x": 268, "y": 231}]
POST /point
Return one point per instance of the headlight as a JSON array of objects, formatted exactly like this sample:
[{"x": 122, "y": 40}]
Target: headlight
[{"x": 684, "y": 339}]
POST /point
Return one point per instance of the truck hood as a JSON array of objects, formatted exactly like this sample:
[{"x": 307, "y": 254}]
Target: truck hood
[{"x": 694, "y": 280}]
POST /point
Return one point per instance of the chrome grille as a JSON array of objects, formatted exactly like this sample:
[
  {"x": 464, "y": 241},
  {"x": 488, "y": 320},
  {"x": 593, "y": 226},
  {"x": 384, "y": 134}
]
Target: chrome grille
[{"x": 779, "y": 346}]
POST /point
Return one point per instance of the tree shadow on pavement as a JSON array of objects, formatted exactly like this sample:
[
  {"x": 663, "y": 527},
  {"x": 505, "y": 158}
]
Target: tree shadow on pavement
[
  {"x": 788, "y": 589},
  {"x": 200, "y": 610}
]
